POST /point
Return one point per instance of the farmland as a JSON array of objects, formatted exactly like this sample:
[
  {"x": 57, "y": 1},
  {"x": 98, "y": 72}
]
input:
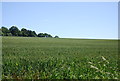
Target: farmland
[{"x": 57, "y": 58}]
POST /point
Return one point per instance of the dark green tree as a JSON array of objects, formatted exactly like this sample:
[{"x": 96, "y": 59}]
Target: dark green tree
[
  {"x": 56, "y": 36},
  {"x": 34, "y": 34},
  {"x": 28, "y": 33},
  {"x": 44, "y": 35},
  {"x": 49, "y": 35},
  {"x": 41, "y": 35},
  {"x": 1, "y": 34},
  {"x": 15, "y": 31},
  {"x": 24, "y": 32},
  {"x": 5, "y": 31}
]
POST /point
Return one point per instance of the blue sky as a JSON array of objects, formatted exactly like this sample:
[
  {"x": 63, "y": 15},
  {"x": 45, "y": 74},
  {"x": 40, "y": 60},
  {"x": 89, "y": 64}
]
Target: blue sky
[{"x": 65, "y": 19}]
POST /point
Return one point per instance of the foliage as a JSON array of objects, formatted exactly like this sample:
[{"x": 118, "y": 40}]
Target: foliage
[
  {"x": 24, "y": 32},
  {"x": 5, "y": 32},
  {"x": 56, "y": 37},
  {"x": 1, "y": 33},
  {"x": 14, "y": 31},
  {"x": 39, "y": 58},
  {"x": 44, "y": 35},
  {"x": 28, "y": 33}
]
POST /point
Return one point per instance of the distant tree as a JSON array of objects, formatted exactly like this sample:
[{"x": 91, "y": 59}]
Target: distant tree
[
  {"x": 31, "y": 33},
  {"x": 1, "y": 34},
  {"x": 14, "y": 30},
  {"x": 41, "y": 35},
  {"x": 49, "y": 35},
  {"x": 44, "y": 35},
  {"x": 56, "y": 37},
  {"x": 20, "y": 33},
  {"x": 28, "y": 33},
  {"x": 24, "y": 32},
  {"x": 5, "y": 31},
  {"x": 34, "y": 34}
]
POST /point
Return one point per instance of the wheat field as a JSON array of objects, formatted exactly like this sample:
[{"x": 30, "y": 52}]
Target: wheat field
[{"x": 59, "y": 58}]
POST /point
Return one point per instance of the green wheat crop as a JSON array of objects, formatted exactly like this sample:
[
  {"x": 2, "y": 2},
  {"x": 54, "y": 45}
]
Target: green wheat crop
[{"x": 57, "y": 58}]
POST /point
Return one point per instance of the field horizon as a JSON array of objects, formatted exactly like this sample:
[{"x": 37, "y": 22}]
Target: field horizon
[{"x": 68, "y": 38}]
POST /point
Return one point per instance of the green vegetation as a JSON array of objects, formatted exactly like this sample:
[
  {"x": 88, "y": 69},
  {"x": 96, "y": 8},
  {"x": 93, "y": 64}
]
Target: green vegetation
[
  {"x": 14, "y": 31},
  {"x": 47, "y": 58}
]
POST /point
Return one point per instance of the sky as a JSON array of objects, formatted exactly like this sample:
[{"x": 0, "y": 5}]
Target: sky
[{"x": 94, "y": 20}]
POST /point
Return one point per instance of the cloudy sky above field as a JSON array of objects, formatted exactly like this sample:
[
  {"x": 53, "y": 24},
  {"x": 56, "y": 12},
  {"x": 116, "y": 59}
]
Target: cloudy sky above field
[{"x": 65, "y": 19}]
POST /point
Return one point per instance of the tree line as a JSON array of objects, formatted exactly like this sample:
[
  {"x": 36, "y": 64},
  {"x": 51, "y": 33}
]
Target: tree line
[{"x": 14, "y": 31}]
